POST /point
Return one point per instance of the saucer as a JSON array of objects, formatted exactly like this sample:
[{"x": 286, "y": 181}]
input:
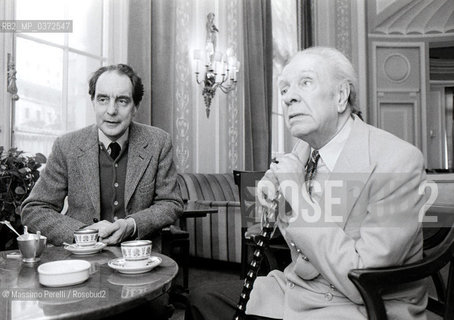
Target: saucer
[
  {"x": 76, "y": 249},
  {"x": 119, "y": 264},
  {"x": 137, "y": 280}
]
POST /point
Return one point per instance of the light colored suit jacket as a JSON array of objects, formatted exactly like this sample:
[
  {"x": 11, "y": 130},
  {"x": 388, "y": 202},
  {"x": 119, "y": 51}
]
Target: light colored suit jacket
[
  {"x": 369, "y": 218},
  {"x": 151, "y": 196}
]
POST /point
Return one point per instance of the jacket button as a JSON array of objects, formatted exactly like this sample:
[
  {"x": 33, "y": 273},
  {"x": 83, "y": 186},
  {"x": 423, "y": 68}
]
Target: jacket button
[
  {"x": 328, "y": 296},
  {"x": 292, "y": 244},
  {"x": 304, "y": 257},
  {"x": 291, "y": 284},
  {"x": 95, "y": 220},
  {"x": 115, "y": 203}
]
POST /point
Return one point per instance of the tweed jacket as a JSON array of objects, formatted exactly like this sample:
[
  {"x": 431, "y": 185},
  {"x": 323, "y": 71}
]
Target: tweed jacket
[
  {"x": 368, "y": 217},
  {"x": 151, "y": 196}
]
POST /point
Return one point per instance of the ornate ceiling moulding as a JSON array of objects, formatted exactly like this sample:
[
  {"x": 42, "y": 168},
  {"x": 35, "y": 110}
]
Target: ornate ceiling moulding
[{"x": 420, "y": 17}]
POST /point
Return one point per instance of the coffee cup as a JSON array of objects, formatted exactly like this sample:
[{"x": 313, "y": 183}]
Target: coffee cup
[
  {"x": 86, "y": 237},
  {"x": 136, "y": 252},
  {"x": 31, "y": 246}
]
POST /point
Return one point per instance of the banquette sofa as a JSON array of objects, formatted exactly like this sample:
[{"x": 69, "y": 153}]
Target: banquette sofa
[{"x": 216, "y": 236}]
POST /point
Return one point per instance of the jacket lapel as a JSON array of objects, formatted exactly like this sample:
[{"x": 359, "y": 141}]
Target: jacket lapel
[
  {"x": 88, "y": 159},
  {"x": 139, "y": 155},
  {"x": 353, "y": 168}
]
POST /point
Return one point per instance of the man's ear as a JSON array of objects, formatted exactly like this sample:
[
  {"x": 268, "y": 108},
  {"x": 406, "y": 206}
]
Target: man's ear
[{"x": 343, "y": 94}]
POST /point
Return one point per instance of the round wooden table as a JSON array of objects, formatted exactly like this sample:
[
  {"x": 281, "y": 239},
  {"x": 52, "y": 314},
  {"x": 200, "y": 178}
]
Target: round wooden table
[{"x": 107, "y": 292}]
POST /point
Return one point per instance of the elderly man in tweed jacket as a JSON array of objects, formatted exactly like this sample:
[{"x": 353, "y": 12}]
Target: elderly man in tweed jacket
[{"x": 118, "y": 176}]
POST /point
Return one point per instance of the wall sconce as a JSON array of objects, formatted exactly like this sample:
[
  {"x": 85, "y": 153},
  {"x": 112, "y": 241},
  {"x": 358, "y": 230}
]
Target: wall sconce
[{"x": 220, "y": 69}]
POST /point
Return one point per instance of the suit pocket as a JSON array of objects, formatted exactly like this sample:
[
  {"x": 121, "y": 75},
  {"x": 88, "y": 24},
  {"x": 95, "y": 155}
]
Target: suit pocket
[
  {"x": 305, "y": 270},
  {"x": 146, "y": 188}
]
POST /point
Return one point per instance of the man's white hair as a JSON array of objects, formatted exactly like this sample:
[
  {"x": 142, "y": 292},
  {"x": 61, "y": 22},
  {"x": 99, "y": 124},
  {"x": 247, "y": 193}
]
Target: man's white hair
[{"x": 342, "y": 71}]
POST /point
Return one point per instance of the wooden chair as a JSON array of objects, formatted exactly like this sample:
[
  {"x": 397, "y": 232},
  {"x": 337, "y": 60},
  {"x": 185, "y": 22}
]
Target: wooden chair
[
  {"x": 175, "y": 244},
  {"x": 438, "y": 252},
  {"x": 372, "y": 282},
  {"x": 277, "y": 255}
]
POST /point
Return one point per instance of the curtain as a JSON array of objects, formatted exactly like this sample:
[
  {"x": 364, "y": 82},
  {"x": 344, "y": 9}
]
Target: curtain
[
  {"x": 258, "y": 68},
  {"x": 304, "y": 23},
  {"x": 139, "y": 51},
  {"x": 163, "y": 35},
  {"x": 151, "y": 54}
]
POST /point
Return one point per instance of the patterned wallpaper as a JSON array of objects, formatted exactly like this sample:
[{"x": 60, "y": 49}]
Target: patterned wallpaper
[
  {"x": 343, "y": 27},
  {"x": 233, "y": 127},
  {"x": 183, "y": 78},
  {"x": 219, "y": 136}
]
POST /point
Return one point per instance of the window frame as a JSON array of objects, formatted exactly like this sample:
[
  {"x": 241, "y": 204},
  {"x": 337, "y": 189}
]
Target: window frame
[
  {"x": 6, "y": 103},
  {"x": 114, "y": 50}
]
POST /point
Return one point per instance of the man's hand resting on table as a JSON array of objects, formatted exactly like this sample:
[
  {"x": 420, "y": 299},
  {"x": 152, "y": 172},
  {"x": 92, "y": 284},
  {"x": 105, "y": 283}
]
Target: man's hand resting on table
[{"x": 114, "y": 232}]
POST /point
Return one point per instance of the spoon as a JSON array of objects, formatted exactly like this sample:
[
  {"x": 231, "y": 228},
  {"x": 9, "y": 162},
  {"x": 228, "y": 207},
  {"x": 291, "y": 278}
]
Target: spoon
[{"x": 8, "y": 224}]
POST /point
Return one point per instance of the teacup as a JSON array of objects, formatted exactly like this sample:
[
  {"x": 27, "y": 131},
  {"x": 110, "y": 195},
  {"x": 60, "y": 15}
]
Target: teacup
[
  {"x": 86, "y": 237},
  {"x": 136, "y": 252},
  {"x": 31, "y": 246}
]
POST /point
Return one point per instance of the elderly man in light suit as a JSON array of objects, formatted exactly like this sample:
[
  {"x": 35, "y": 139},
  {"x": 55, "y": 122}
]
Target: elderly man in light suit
[
  {"x": 118, "y": 176},
  {"x": 355, "y": 196}
]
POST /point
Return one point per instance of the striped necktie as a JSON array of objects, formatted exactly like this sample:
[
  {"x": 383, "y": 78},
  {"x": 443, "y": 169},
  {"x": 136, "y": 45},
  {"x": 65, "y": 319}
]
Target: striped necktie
[{"x": 311, "y": 168}]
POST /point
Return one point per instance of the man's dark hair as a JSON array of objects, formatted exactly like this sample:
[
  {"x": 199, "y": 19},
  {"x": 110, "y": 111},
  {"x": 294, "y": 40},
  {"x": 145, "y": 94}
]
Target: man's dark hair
[{"x": 137, "y": 86}]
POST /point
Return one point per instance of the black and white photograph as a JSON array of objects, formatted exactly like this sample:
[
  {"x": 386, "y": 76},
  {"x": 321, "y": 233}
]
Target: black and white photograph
[{"x": 227, "y": 159}]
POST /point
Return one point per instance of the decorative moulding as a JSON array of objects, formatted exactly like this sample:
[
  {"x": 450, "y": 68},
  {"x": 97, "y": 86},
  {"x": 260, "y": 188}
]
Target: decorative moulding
[
  {"x": 396, "y": 67},
  {"x": 232, "y": 100},
  {"x": 419, "y": 17}
]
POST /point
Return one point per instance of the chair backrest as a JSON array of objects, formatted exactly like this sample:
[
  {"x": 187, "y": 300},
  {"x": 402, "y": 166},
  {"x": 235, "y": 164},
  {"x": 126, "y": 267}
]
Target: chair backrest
[
  {"x": 439, "y": 245},
  {"x": 438, "y": 252},
  {"x": 247, "y": 183}
]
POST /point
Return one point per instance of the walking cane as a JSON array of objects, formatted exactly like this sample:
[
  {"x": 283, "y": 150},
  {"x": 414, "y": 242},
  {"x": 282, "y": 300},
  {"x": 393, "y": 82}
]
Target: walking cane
[{"x": 262, "y": 242}]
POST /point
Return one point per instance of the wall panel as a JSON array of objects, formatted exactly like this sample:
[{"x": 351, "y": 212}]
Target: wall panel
[{"x": 214, "y": 144}]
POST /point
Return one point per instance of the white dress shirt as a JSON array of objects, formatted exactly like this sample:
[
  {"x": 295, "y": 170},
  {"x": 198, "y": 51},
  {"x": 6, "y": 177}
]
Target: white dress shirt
[
  {"x": 106, "y": 141},
  {"x": 329, "y": 154}
]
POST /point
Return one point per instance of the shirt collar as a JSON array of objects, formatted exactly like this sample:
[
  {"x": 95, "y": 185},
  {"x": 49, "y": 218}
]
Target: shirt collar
[
  {"x": 106, "y": 141},
  {"x": 331, "y": 151}
]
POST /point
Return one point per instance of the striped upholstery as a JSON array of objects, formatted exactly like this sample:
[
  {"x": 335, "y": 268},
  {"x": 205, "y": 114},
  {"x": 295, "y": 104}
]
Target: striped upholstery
[{"x": 217, "y": 236}]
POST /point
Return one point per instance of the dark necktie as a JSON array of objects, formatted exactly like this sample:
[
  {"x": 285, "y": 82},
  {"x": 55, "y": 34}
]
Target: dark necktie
[
  {"x": 114, "y": 150},
  {"x": 311, "y": 168}
]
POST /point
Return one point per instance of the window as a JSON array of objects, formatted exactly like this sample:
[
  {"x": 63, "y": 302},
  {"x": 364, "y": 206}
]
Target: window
[
  {"x": 284, "y": 47},
  {"x": 53, "y": 68}
]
